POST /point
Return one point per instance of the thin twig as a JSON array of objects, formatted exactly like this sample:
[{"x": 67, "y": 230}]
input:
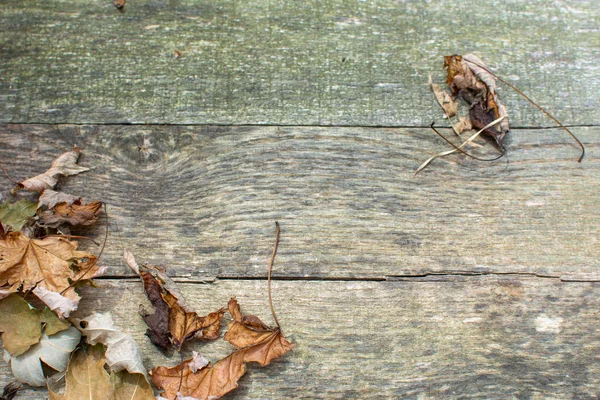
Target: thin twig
[
  {"x": 445, "y": 153},
  {"x": 269, "y": 273},
  {"x": 464, "y": 152},
  {"x": 7, "y": 175},
  {"x": 513, "y": 87}
]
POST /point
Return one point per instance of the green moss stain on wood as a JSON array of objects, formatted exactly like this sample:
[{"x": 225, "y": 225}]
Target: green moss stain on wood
[{"x": 307, "y": 63}]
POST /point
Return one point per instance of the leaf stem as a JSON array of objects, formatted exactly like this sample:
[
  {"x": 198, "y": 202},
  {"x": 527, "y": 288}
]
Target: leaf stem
[{"x": 269, "y": 273}]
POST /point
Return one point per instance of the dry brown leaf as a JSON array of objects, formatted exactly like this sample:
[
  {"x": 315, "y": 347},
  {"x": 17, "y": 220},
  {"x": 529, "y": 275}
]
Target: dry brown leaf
[
  {"x": 449, "y": 105},
  {"x": 50, "y": 198},
  {"x": 64, "y": 165},
  {"x": 256, "y": 342},
  {"x": 50, "y": 263},
  {"x": 468, "y": 78},
  {"x": 87, "y": 378},
  {"x": 158, "y": 322},
  {"x": 72, "y": 214},
  {"x": 261, "y": 343},
  {"x": 173, "y": 321},
  {"x": 184, "y": 325}
]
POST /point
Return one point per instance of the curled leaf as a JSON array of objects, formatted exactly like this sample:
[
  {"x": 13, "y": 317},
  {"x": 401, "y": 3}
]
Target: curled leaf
[
  {"x": 173, "y": 321},
  {"x": 184, "y": 325},
  {"x": 75, "y": 213},
  {"x": 62, "y": 306},
  {"x": 49, "y": 198},
  {"x": 22, "y": 325},
  {"x": 53, "y": 350},
  {"x": 260, "y": 343},
  {"x": 64, "y": 165},
  {"x": 122, "y": 351},
  {"x": 87, "y": 378},
  {"x": 468, "y": 78}
]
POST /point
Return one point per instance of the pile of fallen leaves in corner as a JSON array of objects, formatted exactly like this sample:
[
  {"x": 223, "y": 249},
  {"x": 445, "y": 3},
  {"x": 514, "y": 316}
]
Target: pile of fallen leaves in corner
[{"x": 40, "y": 269}]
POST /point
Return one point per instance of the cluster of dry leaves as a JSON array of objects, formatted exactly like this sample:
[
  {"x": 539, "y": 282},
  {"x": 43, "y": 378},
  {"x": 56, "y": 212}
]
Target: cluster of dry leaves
[
  {"x": 472, "y": 81},
  {"x": 40, "y": 269}
]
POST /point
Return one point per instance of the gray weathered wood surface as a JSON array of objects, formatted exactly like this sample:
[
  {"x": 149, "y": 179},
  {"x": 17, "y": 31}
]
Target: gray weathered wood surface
[
  {"x": 470, "y": 280},
  {"x": 202, "y": 200},
  {"x": 477, "y": 337},
  {"x": 341, "y": 62}
]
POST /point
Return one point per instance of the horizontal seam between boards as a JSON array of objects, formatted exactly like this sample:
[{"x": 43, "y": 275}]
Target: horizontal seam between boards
[{"x": 140, "y": 124}]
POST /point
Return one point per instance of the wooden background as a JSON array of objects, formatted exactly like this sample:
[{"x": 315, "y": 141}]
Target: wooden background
[{"x": 470, "y": 280}]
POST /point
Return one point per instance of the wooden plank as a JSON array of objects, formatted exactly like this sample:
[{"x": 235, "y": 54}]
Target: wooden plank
[
  {"x": 477, "y": 337},
  {"x": 202, "y": 200},
  {"x": 316, "y": 62}
]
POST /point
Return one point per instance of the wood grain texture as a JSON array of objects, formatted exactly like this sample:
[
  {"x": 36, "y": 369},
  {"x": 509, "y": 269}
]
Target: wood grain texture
[
  {"x": 475, "y": 337},
  {"x": 317, "y": 62},
  {"x": 202, "y": 201}
]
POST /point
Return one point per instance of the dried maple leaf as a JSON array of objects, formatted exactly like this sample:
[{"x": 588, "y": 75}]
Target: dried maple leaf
[
  {"x": 53, "y": 350},
  {"x": 255, "y": 342},
  {"x": 75, "y": 213},
  {"x": 184, "y": 325},
  {"x": 50, "y": 263},
  {"x": 87, "y": 378},
  {"x": 22, "y": 325},
  {"x": 173, "y": 321},
  {"x": 64, "y": 165},
  {"x": 260, "y": 342}
]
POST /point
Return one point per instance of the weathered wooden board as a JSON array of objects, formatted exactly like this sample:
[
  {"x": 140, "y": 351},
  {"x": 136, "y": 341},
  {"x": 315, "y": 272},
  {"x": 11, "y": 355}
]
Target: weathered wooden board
[
  {"x": 475, "y": 337},
  {"x": 323, "y": 62},
  {"x": 202, "y": 200}
]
